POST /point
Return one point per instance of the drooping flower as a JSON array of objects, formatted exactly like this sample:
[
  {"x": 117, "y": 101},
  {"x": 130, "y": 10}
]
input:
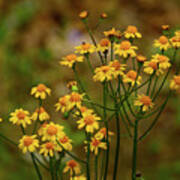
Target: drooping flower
[
  {"x": 132, "y": 32},
  {"x": 73, "y": 167},
  {"x": 48, "y": 148},
  {"x": 103, "y": 73},
  {"x": 20, "y": 117},
  {"x": 85, "y": 48},
  {"x": 175, "y": 41},
  {"x": 95, "y": 144},
  {"x": 28, "y": 143},
  {"x": 101, "y": 134},
  {"x": 89, "y": 122},
  {"x": 175, "y": 83},
  {"x": 162, "y": 43},
  {"x": 62, "y": 104},
  {"x": 40, "y": 91},
  {"x": 131, "y": 77},
  {"x": 140, "y": 58},
  {"x": 112, "y": 33},
  {"x": 40, "y": 114},
  {"x": 125, "y": 49},
  {"x": 144, "y": 101},
  {"x": 70, "y": 59},
  {"x": 66, "y": 142},
  {"x": 103, "y": 45}
]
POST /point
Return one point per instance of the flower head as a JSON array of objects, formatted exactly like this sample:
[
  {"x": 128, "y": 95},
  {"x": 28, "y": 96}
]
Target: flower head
[
  {"x": 162, "y": 43},
  {"x": 103, "y": 45},
  {"x": 73, "y": 167},
  {"x": 101, "y": 134},
  {"x": 112, "y": 33},
  {"x": 28, "y": 143},
  {"x": 175, "y": 83},
  {"x": 144, "y": 101},
  {"x": 175, "y": 41},
  {"x": 131, "y": 77},
  {"x": 20, "y": 117},
  {"x": 81, "y": 177},
  {"x": 70, "y": 59},
  {"x": 132, "y": 32},
  {"x": 85, "y": 48},
  {"x": 40, "y": 114},
  {"x": 83, "y": 14},
  {"x": 151, "y": 66},
  {"x": 62, "y": 104},
  {"x": 125, "y": 49},
  {"x": 140, "y": 58},
  {"x": 65, "y": 142},
  {"x": 75, "y": 100},
  {"x": 40, "y": 91},
  {"x": 48, "y": 148}
]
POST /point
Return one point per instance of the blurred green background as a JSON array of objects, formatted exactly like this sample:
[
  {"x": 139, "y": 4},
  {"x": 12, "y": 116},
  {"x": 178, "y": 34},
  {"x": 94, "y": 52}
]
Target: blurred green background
[{"x": 35, "y": 34}]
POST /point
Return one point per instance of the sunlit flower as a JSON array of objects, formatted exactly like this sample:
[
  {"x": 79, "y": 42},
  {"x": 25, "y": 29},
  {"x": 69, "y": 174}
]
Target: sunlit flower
[
  {"x": 177, "y": 33},
  {"x": 151, "y": 66},
  {"x": 83, "y": 110},
  {"x": 75, "y": 100},
  {"x": 162, "y": 43},
  {"x": 40, "y": 114},
  {"x": 163, "y": 61},
  {"x": 175, "y": 83},
  {"x": 40, "y": 91},
  {"x": 81, "y": 177},
  {"x": 83, "y": 14},
  {"x": 20, "y": 117},
  {"x": 101, "y": 134},
  {"x": 144, "y": 101},
  {"x": 52, "y": 131},
  {"x": 95, "y": 144},
  {"x": 103, "y": 73},
  {"x": 103, "y": 45},
  {"x": 65, "y": 142},
  {"x": 140, "y": 58},
  {"x": 28, "y": 143},
  {"x": 89, "y": 122},
  {"x": 85, "y": 48},
  {"x": 117, "y": 67},
  {"x": 73, "y": 167},
  {"x": 42, "y": 128},
  {"x": 112, "y": 33},
  {"x": 131, "y": 77},
  {"x": 125, "y": 49},
  {"x": 47, "y": 148},
  {"x": 62, "y": 104},
  {"x": 132, "y": 32},
  {"x": 175, "y": 41},
  {"x": 70, "y": 59}
]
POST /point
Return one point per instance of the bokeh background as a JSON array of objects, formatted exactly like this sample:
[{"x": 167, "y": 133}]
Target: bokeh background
[{"x": 35, "y": 34}]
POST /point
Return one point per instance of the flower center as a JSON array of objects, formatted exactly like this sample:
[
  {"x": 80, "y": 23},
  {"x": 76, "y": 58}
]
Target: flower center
[
  {"x": 153, "y": 65},
  {"x": 105, "y": 69},
  {"x": 83, "y": 109},
  {"x": 40, "y": 110},
  {"x": 146, "y": 100},
  {"x": 62, "y": 101},
  {"x": 131, "y": 29},
  {"x": 162, "y": 58},
  {"x": 71, "y": 57},
  {"x": 52, "y": 130},
  {"x": 177, "y": 80},
  {"x": 125, "y": 45},
  {"x": 49, "y": 145},
  {"x": 28, "y": 141},
  {"x": 75, "y": 97},
  {"x": 21, "y": 115},
  {"x": 72, "y": 164},
  {"x": 64, "y": 140},
  {"x": 89, "y": 120},
  {"x": 132, "y": 75},
  {"x": 41, "y": 87},
  {"x": 116, "y": 65},
  {"x": 86, "y": 46},
  {"x": 104, "y": 42},
  {"x": 95, "y": 142},
  {"x": 163, "y": 40}
]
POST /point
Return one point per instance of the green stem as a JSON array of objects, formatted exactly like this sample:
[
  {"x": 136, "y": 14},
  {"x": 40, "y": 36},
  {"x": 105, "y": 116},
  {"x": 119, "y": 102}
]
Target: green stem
[
  {"x": 112, "y": 50},
  {"x": 89, "y": 63},
  {"x": 36, "y": 167},
  {"x": 88, "y": 156},
  {"x": 154, "y": 87},
  {"x": 96, "y": 167},
  {"x": 8, "y": 140},
  {"x": 51, "y": 163}
]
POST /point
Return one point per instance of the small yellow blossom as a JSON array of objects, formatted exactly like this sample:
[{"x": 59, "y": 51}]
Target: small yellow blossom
[
  {"x": 112, "y": 33},
  {"x": 125, "y": 49},
  {"x": 140, "y": 58},
  {"x": 73, "y": 167},
  {"x": 40, "y": 91},
  {"x": 118, "y": 69},
  {"x": 162, "y": 43},
  {"x": 42, "y": 128},
  {"x": 163, "y": 61},
  {"x": 75, "y": 100},
  {"x": 47, "y": 148},
  {"x": 70, "y": 59},
  {"x": 85, "y": 48},
  {"x": 41, "y": 114},
  {"x": 103, "y": 73},
  {"x": 95, "y": 144},
  {"x": 177, "y": 33},
  {"x": 175, "y": 41},
  {"x": 131, "y": 77},
  {"x": 103, "y": 45},
  {"x": 101, "y": 134},
  {"x": 81, "y": 177},
  {"x": 28, "y": 143},
  {"x": 89, "y": 122},
  {"x": 83, "y": 14},
  {"x": 151, "y": 66},
  {"x": 62, "y": 104},
  {"x": 20, "y": 117},
  {"x": 65, "y": 142},
  {"x": 144, "y": 101},
  {"x": 175, "y": 83},
  {"x": 132, "y": 32}
]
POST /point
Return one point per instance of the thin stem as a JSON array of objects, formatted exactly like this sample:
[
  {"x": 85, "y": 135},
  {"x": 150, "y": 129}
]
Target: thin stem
[
  {"x": 112, "y": 50},
  {"x": 36, "y": 167},
  {"x": 8, "y": 140},
  {"x": 88, "y": 156},
  {"x": 41, "y": 163},
  {"x": 51, "y": 163},
  {"x": 96, "y": 167},
  {"x": 89, "y": 63},
  {"x": 154, "y": 87}
]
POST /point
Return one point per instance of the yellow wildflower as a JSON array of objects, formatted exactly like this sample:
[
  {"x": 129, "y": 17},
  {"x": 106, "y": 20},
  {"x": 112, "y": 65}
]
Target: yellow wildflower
[
  {"x": 162, "y": 43},
  {"x": 42, "y": 128},
  {"x": 132, "y": 32},
  {"x": 65, "y": 142},
  {"x": 103, "y": 45},
  {"x": 75, "y": 100},
  {"x": 83, "y": 14},
  {"x": 140, "y": 58},
  {"x": 47, "y": 148},
  {"x": 112, "y": 33},
  {"x": 62, "y": 104},
  {"x": 175, "y": 41},
  {"x": 151, "y": 66},
  {"x": 163, "y": 61},
  {"x": 41, "y": 114},
  {"x": 40, "y": 91},
  {"x": 28, "y": 143},
  {"x": 101, "y": 134},
  {"x": 175, "y": 83},
  {"x": 73, "y": 167},
  {"x": 20, "y": 117},
  {"x": 131, "y": 77},
  {"x": 81, "y": 177},
  {"x": 85, "y": 48}
]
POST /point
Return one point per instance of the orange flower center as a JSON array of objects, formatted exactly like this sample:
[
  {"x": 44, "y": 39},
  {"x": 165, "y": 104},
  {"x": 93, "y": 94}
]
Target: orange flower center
[
  {"x": 41, "y": 110},
  {"x": 104, "y": 42},
  {"x": 83, "y": 109},
  {"x": 75, "y": 97},
  {"x": 64, "y": 140},
  {"x": 72, "y": 164},
  {"x": 95, "y": 142},
  {"x": 177, "y": 80},
  {"x": 153, "y": 65},
  {"x": 131, "y": 29},
  {"x": 146, "y": 100},
  {"x": 105, "y": 69},
  {"x": 86, "y": 46},
  {"x": 62, "y": 101},
  {"x": 41, "y": 87},
  {"x": 89, "y": 120},
  {"x": 21, "y": 115},
  {"x": 52, "y": 130},
  {"x": 125, "y": 45},
  {"x": 132, "y": 75},
  {"x": 162, "y": 58},
  {"x": 71, "y": 57},
  {"x": 49, "y": 145},
  {"x": 28, "y": 141},
  {"x": 116, "y": 65},
  {"x": 163, "y": 40}
]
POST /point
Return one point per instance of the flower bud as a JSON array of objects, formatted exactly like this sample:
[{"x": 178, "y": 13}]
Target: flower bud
[{"x": 83, "y": 14}]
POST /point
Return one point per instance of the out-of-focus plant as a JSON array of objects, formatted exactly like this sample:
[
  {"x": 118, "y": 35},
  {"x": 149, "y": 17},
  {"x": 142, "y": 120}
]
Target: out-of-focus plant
[{"x": 134, "y": 96}]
